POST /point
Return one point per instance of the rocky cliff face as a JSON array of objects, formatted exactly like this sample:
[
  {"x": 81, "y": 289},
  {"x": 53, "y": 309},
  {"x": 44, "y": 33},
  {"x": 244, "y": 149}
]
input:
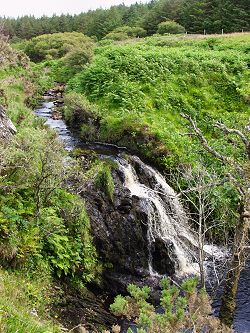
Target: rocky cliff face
[
  {"x": 119, "y": 228},
  {"x": 120, "y": 233},
  {"x": 7, "y": 128}
]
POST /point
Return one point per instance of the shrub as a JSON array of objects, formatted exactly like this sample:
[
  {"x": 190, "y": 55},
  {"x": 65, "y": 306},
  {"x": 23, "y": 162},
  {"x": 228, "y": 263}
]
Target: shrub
[
  {"x": 76, "y": 58},
  {"x": 191, "y": 310},
  {"x": 170, "y": 27},
  {"x": 58, "y": 45},
  {"x": 116, "y": 36},
  {"x": 39, "y": 220},
  {"x": 125, "y": 32},
  {"x": 64, "y": 54}
]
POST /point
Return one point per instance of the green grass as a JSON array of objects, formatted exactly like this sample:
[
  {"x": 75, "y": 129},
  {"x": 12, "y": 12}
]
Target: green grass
[
  {"x": 23, "y": 305},
  {"x": 141, "y": 90}
]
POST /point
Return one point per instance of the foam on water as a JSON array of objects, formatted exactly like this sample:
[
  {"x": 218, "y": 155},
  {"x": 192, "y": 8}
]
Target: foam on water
[{"x": 166, "y": 217}]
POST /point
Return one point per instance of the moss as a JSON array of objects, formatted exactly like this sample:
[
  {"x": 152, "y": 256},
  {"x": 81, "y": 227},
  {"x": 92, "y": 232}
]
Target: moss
[{"x": 104, "y": 180}]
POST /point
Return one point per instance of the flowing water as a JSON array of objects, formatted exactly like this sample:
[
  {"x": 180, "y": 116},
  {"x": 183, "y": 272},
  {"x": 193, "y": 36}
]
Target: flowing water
[
  {"x": 64, "y": 134},
  {"x": 166, "y": 216}
]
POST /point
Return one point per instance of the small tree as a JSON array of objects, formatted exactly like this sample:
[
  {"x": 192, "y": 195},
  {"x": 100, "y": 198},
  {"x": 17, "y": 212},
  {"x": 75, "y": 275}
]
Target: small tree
[
  {"x": 237, "y": 173},
  {"x": 59, "y": 45},
  {"x": 75, "y": 60},
  {"x": 198, "y": 193},
  {"x": 170, "y": 27},
  {"x": 184, "y": 309},
  {"x": 125, "y": 32}
]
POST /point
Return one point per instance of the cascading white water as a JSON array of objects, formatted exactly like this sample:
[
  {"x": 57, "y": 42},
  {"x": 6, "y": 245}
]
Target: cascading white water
[{"x": 166, "y": 217}]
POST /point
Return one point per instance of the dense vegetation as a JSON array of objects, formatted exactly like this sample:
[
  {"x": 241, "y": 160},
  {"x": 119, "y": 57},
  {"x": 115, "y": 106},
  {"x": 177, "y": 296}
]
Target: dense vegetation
[
  {"x": 72, "y": 51},
  {"x": 44, "y": 228},
  {"x": 196, "y": 16},
  {"x": 184, "y": 308},
  {"x": 141, "y": 88},
  {"x": 133, "y": 93}
]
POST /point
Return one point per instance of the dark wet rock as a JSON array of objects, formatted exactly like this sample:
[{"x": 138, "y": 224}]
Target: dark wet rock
[
  {"x": 82, "y": 308},
  {"x": 59, "y": 102},
  {"x": 56, "y": 115},
  {"x": 119, "y": 229},
  {"x": 57, "y": 91},
  {"x": 144, "y": 175},
  {"x": 161, "y": 260}
]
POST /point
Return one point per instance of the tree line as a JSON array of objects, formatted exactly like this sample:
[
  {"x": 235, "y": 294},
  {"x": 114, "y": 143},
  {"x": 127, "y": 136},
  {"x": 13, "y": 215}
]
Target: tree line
[{"x": 209, "y": 16}]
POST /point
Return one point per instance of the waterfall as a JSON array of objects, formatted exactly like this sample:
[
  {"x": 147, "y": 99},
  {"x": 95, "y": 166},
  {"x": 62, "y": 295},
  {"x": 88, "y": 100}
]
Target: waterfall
[{"x": 167, "y": 220}]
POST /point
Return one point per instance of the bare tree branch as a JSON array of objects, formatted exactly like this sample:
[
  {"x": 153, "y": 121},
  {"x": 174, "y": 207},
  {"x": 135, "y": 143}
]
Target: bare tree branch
[
  {"x": 241, "y": 183},
  {"x": 200, "y": 188},
  {"x": 225, "y": 160},
  {"x": 228, "y": 130}
]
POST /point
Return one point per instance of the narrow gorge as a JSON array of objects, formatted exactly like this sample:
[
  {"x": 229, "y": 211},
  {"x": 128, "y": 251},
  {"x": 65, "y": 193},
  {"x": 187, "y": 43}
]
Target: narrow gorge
[{"x": 143, "y": 230}]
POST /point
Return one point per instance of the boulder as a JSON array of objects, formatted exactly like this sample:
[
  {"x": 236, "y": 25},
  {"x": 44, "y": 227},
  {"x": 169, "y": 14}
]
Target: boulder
[{"x": 7, "y": 128}]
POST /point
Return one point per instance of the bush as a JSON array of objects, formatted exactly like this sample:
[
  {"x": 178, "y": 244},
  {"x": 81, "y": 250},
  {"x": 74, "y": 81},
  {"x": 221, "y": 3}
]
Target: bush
[
  {"x": 76, "y": 58},
  {"x": 39, "y": 219},
  {"x": 116, "y": 36},
  {"x": 170, "y": 27},
  {"x": 181, "y": 307},
  {"x": 58, "y": 45},
  {"x": 125, "y": 32},
  {"x": 63, "y": 54},
  {"x": 78, "y": 111}
]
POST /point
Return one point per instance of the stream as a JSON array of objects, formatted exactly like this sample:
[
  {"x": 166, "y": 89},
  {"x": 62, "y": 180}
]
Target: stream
[{"x": 166, "y": 217}]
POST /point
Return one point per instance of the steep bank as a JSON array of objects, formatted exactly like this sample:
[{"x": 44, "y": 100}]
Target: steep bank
[
  {"x": 44, "y": 228},
  {"x": 143, "y": 229},
  {"x": 101, "y": 202},
  {"x": 134, "y": 96},
  {"x": 61, "y": 239},
  {"x": 139, "y": 91}
]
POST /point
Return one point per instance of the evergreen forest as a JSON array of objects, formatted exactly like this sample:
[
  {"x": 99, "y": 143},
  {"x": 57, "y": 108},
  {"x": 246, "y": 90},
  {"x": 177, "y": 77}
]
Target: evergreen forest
[{"x": 209, "y": 16}]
